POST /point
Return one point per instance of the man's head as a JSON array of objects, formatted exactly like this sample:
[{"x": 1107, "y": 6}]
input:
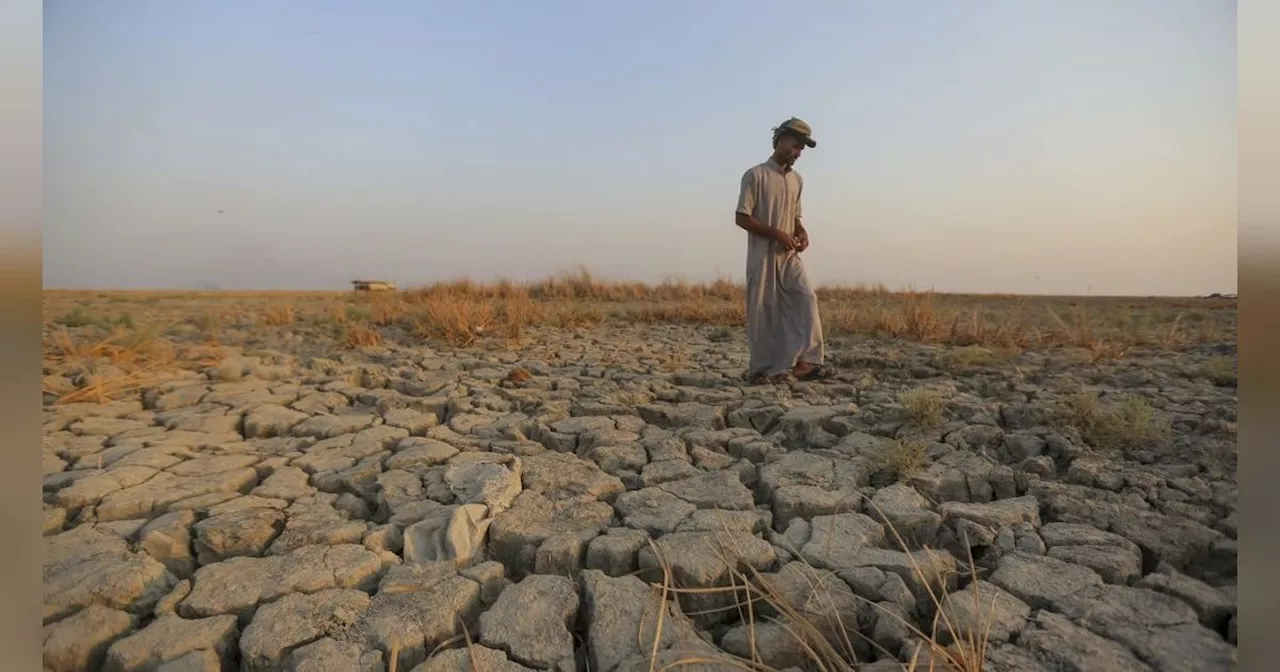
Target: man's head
[{"x": 789, "y": 140}]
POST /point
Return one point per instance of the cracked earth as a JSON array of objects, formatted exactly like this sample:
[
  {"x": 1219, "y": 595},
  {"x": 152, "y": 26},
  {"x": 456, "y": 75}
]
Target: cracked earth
[{"x": 432, "y": 509}]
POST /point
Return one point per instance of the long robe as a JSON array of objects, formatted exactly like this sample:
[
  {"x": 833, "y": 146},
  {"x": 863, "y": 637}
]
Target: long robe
[{"x": 783, "y": 326}]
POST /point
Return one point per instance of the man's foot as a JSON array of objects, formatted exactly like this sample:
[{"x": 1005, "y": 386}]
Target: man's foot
[{"x": 808, "y": 371}]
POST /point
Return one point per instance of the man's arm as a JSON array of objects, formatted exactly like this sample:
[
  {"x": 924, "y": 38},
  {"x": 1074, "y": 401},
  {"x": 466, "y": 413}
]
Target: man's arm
[
  {"x": 753, "y": 226},
  {"x": 747, "y": 205}
]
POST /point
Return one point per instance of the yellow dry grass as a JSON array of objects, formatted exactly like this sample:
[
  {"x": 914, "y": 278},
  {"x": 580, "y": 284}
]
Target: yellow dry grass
[
  {"x": 120, "y": 363},
  {"x": 360, "y": 336},
  {"x": 923, "y": 407},
  {"x": 464, "y": 313},
  {"x": 901, "y": 459},
  {"x": 278, "y": 314},
  {"x": 819, "y": 631},
  {"x": 828, "y": 642}
]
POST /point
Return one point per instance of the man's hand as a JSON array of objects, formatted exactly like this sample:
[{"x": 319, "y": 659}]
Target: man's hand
[
  {"x": 785, "y": 240},
  {"x": 802, "y": 240}
]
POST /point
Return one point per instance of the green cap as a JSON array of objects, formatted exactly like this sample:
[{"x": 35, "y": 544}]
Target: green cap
[{"x": 798, "y": 127}]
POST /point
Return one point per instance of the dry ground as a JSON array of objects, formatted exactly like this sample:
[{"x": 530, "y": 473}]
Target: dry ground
[{"x": 1047, "y": 454}]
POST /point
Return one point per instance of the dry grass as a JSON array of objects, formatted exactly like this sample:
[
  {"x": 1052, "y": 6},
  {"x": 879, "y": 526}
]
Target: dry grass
[
  {"x": 360, "y": 336},
  {"x": 386, "y": 310},
  {"x": 455, "y": 320},
  {"x": 828, "y": 642},
  {"x": 901, "y": 460},
  {"x": 119, "y": 363},
  {"x": 1107, "y": 328},
  {"x": 1217, "y": 370},
  {"x": 79, "y": 317},
  {"x": 464, "y": 312},
  {"x": 923, "y": 407},
  {"x": 278, "y": 314},
  {"x": 967, "y": 357},
  {"x": 1125, "y": 423}
]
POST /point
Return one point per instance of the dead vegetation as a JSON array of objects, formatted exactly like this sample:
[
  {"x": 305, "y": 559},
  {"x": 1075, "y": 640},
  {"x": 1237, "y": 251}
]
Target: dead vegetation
[
  {"x": 1220, "y": 371},
  {"x": 1126, "y": 422},
  {"x": 923, "y": 407},
  {"x": 830, "y": 637},
  {"x": 123, "y": 361},
  {"x": 974, "y": 331},
  {"x": 969, "y": 357},
  {"x": 278, "y": 314},
  {"x": 815, "y": 618},
  {"x": 360, "y": 336},
  {"x": 463, "y": 312},
  {"x": 901, "y": 460}
]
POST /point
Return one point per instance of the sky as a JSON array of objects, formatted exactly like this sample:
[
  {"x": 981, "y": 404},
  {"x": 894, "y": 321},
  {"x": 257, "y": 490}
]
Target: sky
[{"x": 1010, "y": 146}]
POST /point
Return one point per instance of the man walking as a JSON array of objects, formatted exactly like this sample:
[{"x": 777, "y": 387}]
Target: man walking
[{"x": 784, "y": 333}]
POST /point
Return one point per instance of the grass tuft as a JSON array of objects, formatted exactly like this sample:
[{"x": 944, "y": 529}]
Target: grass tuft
[
  {"x": 454, "y": 320},
  {"x": 1220, "y": 371},
  {"x": 923, "y": 407},
  {"x": 1126, "y": 423},
  {"x": 900, "y": 460},
  {"x": 278, "y": 314},
  {"x": 966, "y": 357},
  {"x": 361, "y": 336},
  {"x": 117, "y": 365}
]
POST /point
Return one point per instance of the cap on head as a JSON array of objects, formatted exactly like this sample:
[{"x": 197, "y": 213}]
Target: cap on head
[{"x": 796, "y": 127}]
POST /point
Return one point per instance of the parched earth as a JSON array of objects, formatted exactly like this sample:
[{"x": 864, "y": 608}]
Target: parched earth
[{"x": 516, "y": 509}]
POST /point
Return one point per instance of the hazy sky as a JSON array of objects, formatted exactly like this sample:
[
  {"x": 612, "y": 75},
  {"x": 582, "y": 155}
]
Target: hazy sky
[{"x": 1032, "y": 146}]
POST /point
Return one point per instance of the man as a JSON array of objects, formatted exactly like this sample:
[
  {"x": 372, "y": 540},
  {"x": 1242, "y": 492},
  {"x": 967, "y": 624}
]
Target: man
[{"x": 784, "y": 333}]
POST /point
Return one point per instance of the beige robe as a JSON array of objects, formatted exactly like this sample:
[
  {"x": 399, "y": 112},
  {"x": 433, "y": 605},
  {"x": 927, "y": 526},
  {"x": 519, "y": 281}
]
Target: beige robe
[{"x": 783, "y": 327}]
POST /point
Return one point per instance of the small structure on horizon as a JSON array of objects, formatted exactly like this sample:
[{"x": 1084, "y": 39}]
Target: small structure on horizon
[{"x": 373, "y": 286}]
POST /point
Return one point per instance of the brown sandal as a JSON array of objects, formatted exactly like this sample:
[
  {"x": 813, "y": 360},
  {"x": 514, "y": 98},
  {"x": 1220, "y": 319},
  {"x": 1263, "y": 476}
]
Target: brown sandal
[{"x": 818, "y": 372}]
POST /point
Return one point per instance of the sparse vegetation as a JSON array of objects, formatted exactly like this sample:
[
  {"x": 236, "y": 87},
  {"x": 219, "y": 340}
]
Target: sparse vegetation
[
  {"x": 1217, "y": 370},
  {"x": 901, "y": 460},
  {"x": 278, "y": 314},
  {"x": 120, "y": 363},
  {"x": 1126, "y": 423},
  {"x": 360, "y": 336},
  {"x": 462, "y": 312},
  {"x": 386, "y": 310},
  {"x": 966, "y": 357},
  {"x": 76, "y": 317},
  {"x": 923, "y": 407},
  {"x": 829, "y": 638},
  {"x": 454, "y": 320}
]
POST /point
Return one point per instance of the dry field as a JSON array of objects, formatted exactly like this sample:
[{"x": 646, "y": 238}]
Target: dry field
[{"x": 572, "y": 474}]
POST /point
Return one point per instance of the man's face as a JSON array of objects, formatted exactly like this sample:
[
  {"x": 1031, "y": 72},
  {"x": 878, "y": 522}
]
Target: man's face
[{"x": 788, "y": 149}]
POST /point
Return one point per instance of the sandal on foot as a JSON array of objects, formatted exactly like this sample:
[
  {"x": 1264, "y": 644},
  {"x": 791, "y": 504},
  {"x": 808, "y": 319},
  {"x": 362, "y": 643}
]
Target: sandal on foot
[{"x": 818, "y": 372}]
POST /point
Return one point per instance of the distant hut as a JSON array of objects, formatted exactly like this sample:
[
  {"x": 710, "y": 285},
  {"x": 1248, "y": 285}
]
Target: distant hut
[{"x": 373, "y": 286}]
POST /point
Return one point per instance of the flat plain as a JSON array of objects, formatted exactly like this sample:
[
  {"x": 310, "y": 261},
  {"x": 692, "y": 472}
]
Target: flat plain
[{"x": 573, "y": 475}]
